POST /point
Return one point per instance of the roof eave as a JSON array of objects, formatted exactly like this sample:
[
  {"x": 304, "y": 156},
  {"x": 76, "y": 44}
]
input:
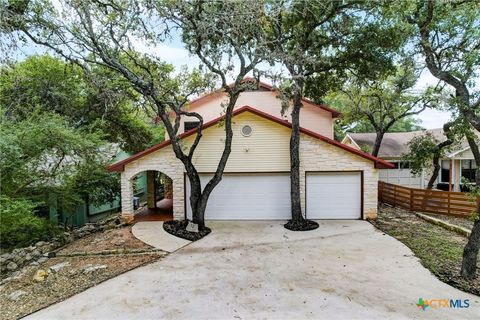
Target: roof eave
[{"x": 120, "y": 166}]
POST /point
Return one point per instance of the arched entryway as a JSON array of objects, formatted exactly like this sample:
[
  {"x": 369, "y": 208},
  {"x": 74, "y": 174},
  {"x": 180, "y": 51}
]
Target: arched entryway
[{"x": 152, "y": 196}]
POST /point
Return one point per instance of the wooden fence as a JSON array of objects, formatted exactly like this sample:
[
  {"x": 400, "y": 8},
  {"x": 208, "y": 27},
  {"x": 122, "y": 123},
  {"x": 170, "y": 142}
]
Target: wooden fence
[{"x": 434, "y": 201}]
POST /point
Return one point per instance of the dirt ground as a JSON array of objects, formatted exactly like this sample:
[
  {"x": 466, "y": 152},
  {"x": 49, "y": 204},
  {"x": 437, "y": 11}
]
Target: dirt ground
[
  {"x": 112, "y": 239},
  {"x": 438, "y": 249},
  {"x": 24, "y": 295}
]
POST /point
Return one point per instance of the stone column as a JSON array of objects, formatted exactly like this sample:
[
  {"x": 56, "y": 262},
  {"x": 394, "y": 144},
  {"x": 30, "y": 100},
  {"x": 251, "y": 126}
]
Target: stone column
[
  {"x": 168, "y": 187},
  {"x": 151, "y": 190},
  {"x": 127, "y": 198}
]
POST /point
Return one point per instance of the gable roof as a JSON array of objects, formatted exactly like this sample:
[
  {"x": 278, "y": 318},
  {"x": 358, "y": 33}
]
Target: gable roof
[
  {"x": 395, "y": 144},
  {"x": 266, "y": 87},
  {"x": 379, "y": 163}
]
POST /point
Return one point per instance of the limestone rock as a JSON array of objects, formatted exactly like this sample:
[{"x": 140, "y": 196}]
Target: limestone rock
[
  {"x": 40, "y": 275},
  {"x": 42, "y": 259},
  {"x": 40, "y": 244},
  {"x": 14, "y": 296},
  {"x": 59, "y": 266},
  {"x": 12, "y": 266},
  {"x": 92, "y": 268}
]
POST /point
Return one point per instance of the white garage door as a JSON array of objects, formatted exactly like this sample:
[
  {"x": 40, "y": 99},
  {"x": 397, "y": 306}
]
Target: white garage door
[
  {"x": 334, "y": 195},
  {"x": 256, "y": 196}
]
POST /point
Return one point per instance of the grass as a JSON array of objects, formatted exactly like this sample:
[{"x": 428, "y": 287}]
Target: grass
[{"x": 438, "y": 249}]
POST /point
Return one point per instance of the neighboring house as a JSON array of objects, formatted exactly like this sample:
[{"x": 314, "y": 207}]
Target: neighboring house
[
  {"x": 455, "y": 165},
  {"x": 80, "y": 215},
  {"x": 337, "y": 181}
]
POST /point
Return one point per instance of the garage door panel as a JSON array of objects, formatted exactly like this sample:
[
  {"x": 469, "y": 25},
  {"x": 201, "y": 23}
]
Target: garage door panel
[
  {"x": 333, "y": 195},
  {"x": 247, "y": 196}
]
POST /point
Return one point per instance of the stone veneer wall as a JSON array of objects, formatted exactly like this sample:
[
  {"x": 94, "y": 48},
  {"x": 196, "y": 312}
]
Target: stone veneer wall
[
  {"x": 316, "y": 155},
  {"x": 163, "y": 160},
  {"x": 268, "y": 153}
]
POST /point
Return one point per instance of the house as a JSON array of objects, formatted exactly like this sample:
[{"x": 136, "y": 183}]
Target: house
[
  {"x": 455, "y": 165},
  {"x": 80, "y": 215},
  {"x": 337, "y": 181}
]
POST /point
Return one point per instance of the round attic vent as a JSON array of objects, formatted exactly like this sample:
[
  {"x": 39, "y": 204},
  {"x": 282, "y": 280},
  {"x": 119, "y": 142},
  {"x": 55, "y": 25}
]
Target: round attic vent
[{"x": 246, "y": 131}]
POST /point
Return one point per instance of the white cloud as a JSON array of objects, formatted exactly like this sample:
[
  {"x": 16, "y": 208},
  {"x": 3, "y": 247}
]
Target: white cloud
[{"x": 432, "y": 119}]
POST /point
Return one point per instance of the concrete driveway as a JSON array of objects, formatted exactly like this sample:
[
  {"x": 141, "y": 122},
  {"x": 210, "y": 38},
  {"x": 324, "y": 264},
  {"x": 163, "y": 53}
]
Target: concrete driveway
[{"x": 259, "y": 270}]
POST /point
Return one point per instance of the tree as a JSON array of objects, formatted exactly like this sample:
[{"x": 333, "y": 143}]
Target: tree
[
  {"x": 43, "y": 156},
  {"x": 103, "y": 34},
  {"x": 317, "y": 42},
  {"x": 425, "y": 152},
  {"x": 347, "y": 124},
  {"x": 447, "y": 36},
  {"x": 383, "y": 102},
  {"x": 44, "y": 83}
]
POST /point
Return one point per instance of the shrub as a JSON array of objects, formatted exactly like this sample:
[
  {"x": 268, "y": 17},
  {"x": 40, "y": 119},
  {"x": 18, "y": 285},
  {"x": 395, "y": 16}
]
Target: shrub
[{"x": 20, "y": 227}]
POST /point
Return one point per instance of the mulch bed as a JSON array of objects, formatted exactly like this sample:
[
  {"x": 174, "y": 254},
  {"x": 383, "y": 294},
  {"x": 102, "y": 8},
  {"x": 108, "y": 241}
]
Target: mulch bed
[
  {"x": 439, "y": 250},
  {"x": 178, "y": 229},
  {"x": 302, "y": 225}
]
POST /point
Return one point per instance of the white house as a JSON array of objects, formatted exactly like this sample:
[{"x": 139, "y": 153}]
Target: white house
[{"x": 455, "y": 165}]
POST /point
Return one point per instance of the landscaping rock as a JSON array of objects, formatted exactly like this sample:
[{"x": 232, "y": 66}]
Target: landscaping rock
[
  {"x": 42, "y": 250},
  {"x": 7, "y": 256},
  {"x": 36, "y": 253},
  {"x": 90, "y": 268},
  {"x": 118, "y": 242},
  {"x": 6, "y": 280},
  {"x": 42, "y": 259},
  {"x": 14, "y": 296},
  {"x": 58, "y": 267},
  {"x": 40, "y": 275},
  {"x": 12, "y": 266},
  {"x": 19, "y": 260}
]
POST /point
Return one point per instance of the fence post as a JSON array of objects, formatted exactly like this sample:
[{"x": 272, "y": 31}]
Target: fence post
[
  {"x": 380, "y": 191},
  {"x": 448, "y": 203},
  {"x": 411, "y": 199},
  {"x": 394, "y": 189}
]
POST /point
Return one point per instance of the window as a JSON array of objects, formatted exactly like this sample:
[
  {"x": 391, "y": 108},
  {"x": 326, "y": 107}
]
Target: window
[
  {"x": 445, "y": 172},
  {"x": 396, "y": 165},
  {"x": 189, "y": 125},
  {"x": 246, "y": 131},
  {"x": 405, "y": 165},
  {"x": 468, "y": 170}
]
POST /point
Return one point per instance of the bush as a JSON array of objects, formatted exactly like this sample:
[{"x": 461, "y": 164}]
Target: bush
[{"x": 19, "y": 227}]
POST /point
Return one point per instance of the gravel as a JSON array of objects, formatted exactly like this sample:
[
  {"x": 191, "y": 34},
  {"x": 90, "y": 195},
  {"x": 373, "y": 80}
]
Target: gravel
[{"x": 65, "y": 276}]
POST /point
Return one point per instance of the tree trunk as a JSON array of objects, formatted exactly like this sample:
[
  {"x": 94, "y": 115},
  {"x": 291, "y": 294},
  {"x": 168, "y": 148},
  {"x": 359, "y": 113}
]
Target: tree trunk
[
  {"x": 87, "y": 205},
  {"x": 378, "y": 143},
  {"x": 298, "y": 222},
  {"x": 447, "y": 130},
  {"x": 470, "y": 252},
  {"x": 436, "y": 170},
  {"x": 199, "y": 197},
  {"x": 295, "y": 160}
]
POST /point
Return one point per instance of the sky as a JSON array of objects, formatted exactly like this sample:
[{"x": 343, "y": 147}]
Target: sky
[{"x": 172, "y": 51}]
